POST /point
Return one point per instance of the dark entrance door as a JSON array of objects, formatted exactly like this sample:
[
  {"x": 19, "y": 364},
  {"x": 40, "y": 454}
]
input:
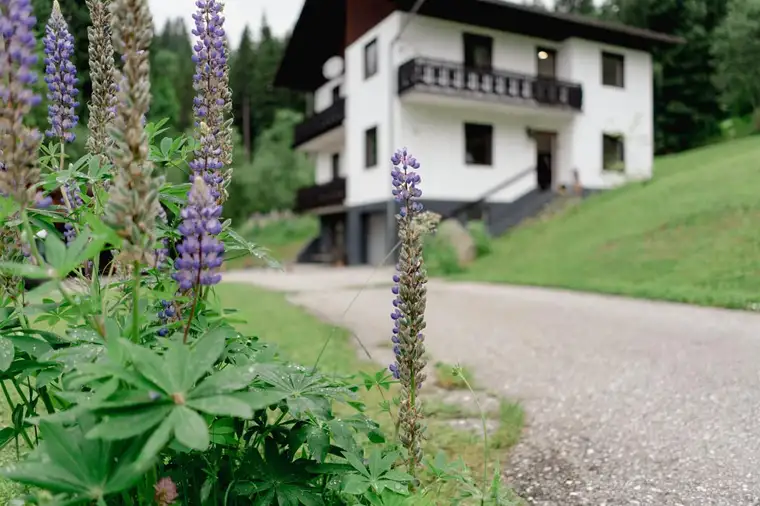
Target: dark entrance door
[{"x": 545, "y": 142}]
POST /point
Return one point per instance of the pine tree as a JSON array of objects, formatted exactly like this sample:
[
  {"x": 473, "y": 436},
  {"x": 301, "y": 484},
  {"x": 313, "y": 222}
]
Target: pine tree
[
  {"x": 242, "y": 84},
  {"x": 686, "y": 101}
]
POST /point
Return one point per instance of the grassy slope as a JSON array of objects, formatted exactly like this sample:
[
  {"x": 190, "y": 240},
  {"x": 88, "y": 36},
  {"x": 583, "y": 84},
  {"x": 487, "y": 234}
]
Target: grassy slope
[
  {"x": 284, "y": 240},
  {"x": 692, "y": 234}
]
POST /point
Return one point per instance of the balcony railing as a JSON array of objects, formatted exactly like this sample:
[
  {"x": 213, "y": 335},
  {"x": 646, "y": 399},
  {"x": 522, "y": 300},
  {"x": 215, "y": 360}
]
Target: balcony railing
[
  {"x": 444, "y": 77},
  {"x": 320, "y": 123},
  {"x": 321, "y": 195}
]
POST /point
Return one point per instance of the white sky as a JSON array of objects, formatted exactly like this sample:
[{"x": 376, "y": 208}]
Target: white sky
[{"x": 281, "y": 14}]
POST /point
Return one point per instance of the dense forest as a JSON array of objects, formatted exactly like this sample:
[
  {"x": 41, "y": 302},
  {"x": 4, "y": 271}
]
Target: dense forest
[{"x": 697, "y": 85}]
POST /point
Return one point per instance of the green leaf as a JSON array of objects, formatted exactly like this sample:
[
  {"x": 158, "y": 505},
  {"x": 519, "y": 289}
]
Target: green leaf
[
  {"x": 43, "y": 475},
  {"x": 26, "y": 270},
  {"x": 7, "y": 353},
  {"x": 398, "y": 475},
  {"x": 356, "y": 463},
  {"x": 207, "y": 350},
  {"x": 62, "y": 449},
  {"x": 318, "y": 441},
  {"x": 30, "y": 345},
  {"x": 166, "y": 146},
  {"x": 151, "y": 366},
  {"x": 6, "y": 435},
  {"x": 117, "y": 427},
  {"x": 177, "y": 368},
  {"x": 55, "y": 252},
  {"x": 260, "y": 399},
  {"x": 190, "y": 429},
  {"x": 85, "y": 247},
  {"x": 222, "y": 405},
  {"x": 157, "y": 441},
  {"x": 355, "y": 484},
  {"x": 225, "y": 381},
  {"x": 239, "y": 243}
]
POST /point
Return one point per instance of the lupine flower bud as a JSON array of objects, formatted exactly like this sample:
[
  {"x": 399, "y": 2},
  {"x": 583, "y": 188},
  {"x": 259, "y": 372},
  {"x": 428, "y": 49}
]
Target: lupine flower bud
[
  {"x": 103, "y": 76},
  {"x": 200, "y": 253},
  {"x": 133, "y": 202},
  {"x": 408, "y": 313},
  {"x": 60, "y": 76},
  {"x": 211, "y": 82},
  {"x": 18, "y": 144}
]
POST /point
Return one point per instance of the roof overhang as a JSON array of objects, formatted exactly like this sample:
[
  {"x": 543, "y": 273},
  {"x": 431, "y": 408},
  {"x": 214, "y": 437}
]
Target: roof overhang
[
  {"x": 319, "y": 34},
  {"x": 320, "y": 31},
  {"x": 508, "y": 16}
]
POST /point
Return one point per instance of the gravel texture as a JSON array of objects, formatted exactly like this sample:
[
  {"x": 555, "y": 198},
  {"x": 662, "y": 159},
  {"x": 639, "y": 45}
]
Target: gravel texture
[{"x": 628, "y": 402}]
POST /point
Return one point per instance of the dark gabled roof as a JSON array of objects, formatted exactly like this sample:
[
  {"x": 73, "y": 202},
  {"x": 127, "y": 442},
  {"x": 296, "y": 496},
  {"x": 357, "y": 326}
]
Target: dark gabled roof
[
  {"x": 320, "y": 31},
  {"x": 319, "y": 34},
  {"x": 537, "y": 22}
]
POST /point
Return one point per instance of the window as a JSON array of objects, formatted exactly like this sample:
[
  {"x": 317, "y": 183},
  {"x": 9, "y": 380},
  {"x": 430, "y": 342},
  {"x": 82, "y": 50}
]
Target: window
[
  {"x": 478, "y": 144},
  {"x": 336, "y": 166},
  {"x": 370, "y": 147},
  {"x": 370, "y": 59},
  {"x": 546, "y": 62},
  {"x": 478, "y": 51},
  {"x": 336, "y": 93},
  {"x": 613, "y": 70},
  {"x": 613, "y": 153}
]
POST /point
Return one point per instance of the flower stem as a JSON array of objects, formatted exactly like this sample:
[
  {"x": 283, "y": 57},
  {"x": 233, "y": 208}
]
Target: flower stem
[
  {"x": 198, "y": 289},
  {"x": 485, "y": 435},
  {"x": 136, "y": 301},
  {"x": 64, "y": 193}
]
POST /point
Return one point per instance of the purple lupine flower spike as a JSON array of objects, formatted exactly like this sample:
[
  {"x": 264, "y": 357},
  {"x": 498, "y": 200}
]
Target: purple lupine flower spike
[
  {"x": 61, "y": 77},
  {"x": 18, "y": 144},
  {"x": 200, "y": 253},
  {"x": 210, "y": 57},
  {"x": 409, "y": 304}
]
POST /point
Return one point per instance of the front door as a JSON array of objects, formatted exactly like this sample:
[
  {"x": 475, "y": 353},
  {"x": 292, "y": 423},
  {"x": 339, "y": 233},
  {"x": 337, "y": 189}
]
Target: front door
[{"x": 545, "y": 144}]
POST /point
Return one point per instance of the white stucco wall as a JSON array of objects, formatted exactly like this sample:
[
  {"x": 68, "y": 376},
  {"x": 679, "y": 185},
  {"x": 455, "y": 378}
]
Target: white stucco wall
[
  {"x": 323, "y": 95},
  {"x": 323, "y": 166},
  {"x": 435, "y": 134},
  {"x": 367, "y": 105},
  {"x": 443, "y": 40},
  {"x": 626, "y": 111},
  {"x": 436, "y": 138}
]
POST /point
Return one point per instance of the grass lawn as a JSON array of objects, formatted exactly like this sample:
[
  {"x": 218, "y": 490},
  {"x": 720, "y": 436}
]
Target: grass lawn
[
  {"x": 691, "y": 234},
  {"x": 284, "y": 239},
  {"x": 300, "y": 336}
]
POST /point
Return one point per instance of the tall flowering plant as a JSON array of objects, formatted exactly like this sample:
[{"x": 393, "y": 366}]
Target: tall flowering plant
[
  {"x": 140, "y": 391},
  {"x": 145, "y": 398},
  {"x": 409, "y": 304}
]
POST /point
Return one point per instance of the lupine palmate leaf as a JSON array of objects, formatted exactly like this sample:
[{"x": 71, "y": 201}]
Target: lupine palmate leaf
[
  {"x": 131, "y": 424},
  {"x": 303, "y": 391},
  {"x": 67, "y": 462}
]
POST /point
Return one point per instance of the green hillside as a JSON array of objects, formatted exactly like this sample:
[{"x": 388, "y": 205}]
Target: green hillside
[{"x": 692, "y": 234}]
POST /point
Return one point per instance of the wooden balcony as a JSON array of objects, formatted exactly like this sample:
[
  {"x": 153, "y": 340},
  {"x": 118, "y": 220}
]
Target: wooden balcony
[
  {"x": 450, "y": 78},
  {"x": 320, "y": 123},
  {"x": 322, "y": 195}
]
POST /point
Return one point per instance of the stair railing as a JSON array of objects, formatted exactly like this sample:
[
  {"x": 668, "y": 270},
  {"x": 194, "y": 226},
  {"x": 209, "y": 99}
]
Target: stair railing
[{"x": 484, "y": 197}]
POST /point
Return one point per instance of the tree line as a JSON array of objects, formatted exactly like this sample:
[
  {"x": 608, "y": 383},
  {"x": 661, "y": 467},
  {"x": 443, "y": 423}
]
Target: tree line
[
  {"x": 706, "y": 80},
  {"x": 267, "y": 170},
  {"x": 697, "y": 85}
]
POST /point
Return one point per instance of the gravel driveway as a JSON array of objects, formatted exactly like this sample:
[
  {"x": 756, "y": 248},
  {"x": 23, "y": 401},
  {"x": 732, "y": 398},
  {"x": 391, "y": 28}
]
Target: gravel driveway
[{"x": 629, "y": 402}]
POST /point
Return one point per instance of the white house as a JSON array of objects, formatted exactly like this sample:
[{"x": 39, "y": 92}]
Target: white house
[{"x": 500, "y": 102}]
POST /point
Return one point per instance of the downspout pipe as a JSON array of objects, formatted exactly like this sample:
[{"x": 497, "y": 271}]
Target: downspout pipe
[{"x": 390, "y": 213}]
